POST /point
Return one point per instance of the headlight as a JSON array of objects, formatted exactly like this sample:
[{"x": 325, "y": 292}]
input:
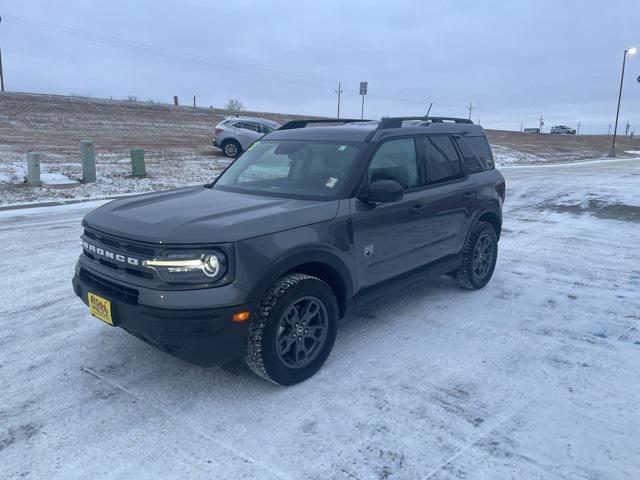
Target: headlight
[
  {"x": 181, "y": 267},
  {"x": 210, "y": 265}
]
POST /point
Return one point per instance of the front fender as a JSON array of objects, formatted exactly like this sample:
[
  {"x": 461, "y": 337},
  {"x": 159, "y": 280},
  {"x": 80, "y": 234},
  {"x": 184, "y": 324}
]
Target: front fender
[{"x": 308, "y": 254}]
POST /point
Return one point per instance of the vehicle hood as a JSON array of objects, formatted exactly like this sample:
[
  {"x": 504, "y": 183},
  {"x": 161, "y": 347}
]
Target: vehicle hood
[{"x": 199, "y": 215}]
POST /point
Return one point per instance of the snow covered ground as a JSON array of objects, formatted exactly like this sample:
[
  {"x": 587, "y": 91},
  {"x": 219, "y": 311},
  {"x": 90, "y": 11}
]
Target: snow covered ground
[
  {"x": 113, "y": 172},
  {"x": 165, "y": 171},
  {"x": 535, "y": 376}
]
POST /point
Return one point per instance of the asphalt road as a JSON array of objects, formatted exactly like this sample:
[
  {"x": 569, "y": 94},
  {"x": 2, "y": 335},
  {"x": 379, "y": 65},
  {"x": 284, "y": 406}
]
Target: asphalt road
[{"x": 534, "y": 376}]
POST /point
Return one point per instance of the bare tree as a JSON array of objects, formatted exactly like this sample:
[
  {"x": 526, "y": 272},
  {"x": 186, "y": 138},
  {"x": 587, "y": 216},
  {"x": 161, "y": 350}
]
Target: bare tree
[{"x": 235, "y": 105}]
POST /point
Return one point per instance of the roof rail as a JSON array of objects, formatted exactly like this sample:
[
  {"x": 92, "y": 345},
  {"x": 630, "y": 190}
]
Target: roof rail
[
  {"x": 396, "y": 122},
  {"x": 303, "y": 123}
]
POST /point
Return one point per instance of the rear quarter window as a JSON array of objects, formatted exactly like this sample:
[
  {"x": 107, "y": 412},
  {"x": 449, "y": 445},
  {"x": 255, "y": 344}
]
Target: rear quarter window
[
  {"x": 474, "y": 164},
  {"x": 481, "y": 148}
]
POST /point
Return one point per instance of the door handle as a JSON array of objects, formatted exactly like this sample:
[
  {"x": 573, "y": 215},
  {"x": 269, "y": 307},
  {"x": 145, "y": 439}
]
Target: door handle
[{"x": 418, "y": 208}]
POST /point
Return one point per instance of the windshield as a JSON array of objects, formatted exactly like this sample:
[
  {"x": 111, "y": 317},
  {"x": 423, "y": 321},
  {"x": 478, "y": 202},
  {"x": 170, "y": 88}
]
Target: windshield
[{"x": 291, "y": 168}]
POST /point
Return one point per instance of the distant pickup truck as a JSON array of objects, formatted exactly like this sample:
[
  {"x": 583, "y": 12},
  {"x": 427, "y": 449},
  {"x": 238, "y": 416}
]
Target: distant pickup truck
[{"x": 563, "y": 130}]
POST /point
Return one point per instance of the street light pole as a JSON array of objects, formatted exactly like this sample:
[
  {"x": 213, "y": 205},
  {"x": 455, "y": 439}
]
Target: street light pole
[{"x": 629, "y": 51}]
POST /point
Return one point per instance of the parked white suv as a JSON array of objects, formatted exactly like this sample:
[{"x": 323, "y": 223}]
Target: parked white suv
[{"x": 235, "y": 134}]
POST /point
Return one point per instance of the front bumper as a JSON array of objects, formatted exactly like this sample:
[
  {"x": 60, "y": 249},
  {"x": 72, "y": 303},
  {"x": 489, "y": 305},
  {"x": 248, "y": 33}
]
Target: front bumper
[{"x": 203, "y": 336}]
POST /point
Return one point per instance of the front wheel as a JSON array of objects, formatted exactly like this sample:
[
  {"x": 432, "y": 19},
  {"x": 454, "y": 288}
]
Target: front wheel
[
  {"x": 479, "y": 257},
  {"x": 293, "y": 330}
]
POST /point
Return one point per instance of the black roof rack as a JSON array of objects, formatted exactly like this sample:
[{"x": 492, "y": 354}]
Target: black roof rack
[
  {"x": 396, "y": 122},
  {"x": 303, "y": 123}
]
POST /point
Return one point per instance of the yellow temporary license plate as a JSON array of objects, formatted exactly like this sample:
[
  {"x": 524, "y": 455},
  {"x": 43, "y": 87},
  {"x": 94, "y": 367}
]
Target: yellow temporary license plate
[{"x": 100, "y": 307}]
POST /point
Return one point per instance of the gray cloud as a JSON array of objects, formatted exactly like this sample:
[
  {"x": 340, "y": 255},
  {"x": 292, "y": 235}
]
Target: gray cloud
[{"x": 514, "y": 60}]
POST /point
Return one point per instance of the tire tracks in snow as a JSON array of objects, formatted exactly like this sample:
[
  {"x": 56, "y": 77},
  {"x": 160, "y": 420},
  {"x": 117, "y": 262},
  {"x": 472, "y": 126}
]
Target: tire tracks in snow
[{"x": 180, "y": 423}]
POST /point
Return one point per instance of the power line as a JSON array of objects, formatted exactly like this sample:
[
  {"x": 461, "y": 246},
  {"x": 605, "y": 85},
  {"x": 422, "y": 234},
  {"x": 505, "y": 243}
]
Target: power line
[{"x": 160, "y": 52}]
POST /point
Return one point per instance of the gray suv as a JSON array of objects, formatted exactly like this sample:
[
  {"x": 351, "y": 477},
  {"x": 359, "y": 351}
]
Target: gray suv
[
  {"x": 235, "y": 134},
  {"x": 308, "y": 225}
]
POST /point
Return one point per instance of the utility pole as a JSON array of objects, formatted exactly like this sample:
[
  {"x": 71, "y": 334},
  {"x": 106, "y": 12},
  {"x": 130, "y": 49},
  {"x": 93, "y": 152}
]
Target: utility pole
[
  {"x": 339, "y": 92},
  {"x": 626, "y": 129},
  {"x": 1, "y": 74},
  {"x": 541, "y": 123},
  {"x": 628, "y": 51},
  {"x": 578, "y": 131},
  {"x": 470, "y": 107},
  {"x": 609, "y": 132}
]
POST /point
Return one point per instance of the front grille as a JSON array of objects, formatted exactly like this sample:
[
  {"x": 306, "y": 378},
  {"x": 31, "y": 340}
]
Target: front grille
[
  {"x": 117, "y": 246},
  {"x": 110, "y": 289},
  {"x": 123, "y": 245}
]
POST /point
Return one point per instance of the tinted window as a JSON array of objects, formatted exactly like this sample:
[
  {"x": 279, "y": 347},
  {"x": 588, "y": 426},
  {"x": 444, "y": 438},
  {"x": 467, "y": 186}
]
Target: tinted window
[
  {"x": 441, "y": 158},
  {"x": 290, "y": 168},
  {"x": 481, "y": 147},
  {"x": 395, "y": 160},
  {"x": 267, "y": 129},
  {"x": 251, "y": 126},
  {"x": 469, "y": 156}
]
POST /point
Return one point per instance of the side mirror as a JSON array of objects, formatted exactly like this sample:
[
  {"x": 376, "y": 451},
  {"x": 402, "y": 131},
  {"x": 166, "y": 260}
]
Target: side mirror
[{"x": 383, "y": 191}]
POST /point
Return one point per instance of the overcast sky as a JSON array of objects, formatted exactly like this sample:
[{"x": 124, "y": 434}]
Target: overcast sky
[{"x": 514, "y": 60}]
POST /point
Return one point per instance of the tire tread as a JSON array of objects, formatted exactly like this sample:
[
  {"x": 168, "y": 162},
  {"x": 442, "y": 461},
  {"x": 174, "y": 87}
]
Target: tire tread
[
  {"x": 259, "y": 319},
  {"x": 463, "y": 274}
]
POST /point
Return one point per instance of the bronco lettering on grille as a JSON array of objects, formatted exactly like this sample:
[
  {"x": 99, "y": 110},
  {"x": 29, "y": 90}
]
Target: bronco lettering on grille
[{"x": 109, "y": 254}]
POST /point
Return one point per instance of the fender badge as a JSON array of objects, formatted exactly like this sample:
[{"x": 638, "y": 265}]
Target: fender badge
[{"x": 368, "y": 250}]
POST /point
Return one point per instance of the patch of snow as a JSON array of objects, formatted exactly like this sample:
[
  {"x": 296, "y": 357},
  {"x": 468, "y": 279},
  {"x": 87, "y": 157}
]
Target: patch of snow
[
  {"x": 56, "y": 178},
  {"x": 505, "y": 156},
  {"x": 113, "y": 174}
]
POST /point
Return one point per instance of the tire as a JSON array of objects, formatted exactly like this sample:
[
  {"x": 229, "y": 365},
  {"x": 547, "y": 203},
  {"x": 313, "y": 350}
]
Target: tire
[
  {"x": 231, "y": 148},
  {"x": 479, "y": 257},
  {"x": 271, "y": 343}
]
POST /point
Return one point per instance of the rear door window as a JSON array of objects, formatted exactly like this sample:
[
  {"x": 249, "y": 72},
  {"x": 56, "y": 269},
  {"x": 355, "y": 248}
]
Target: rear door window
[
  {"x": 481, "y": 148},
  {"x": 441, "y": 159},
  {"x": 251, "y": 126}
]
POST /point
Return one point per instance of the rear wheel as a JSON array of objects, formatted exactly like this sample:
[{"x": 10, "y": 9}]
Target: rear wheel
[
  {"x": 231, "y": 148},
  {"x": 479, "y": 257},
  {"x": 293, "y": 330}
]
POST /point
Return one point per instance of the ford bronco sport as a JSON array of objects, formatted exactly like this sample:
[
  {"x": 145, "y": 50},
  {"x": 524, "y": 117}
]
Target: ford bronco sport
[{"x": 309, "y": 223}]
